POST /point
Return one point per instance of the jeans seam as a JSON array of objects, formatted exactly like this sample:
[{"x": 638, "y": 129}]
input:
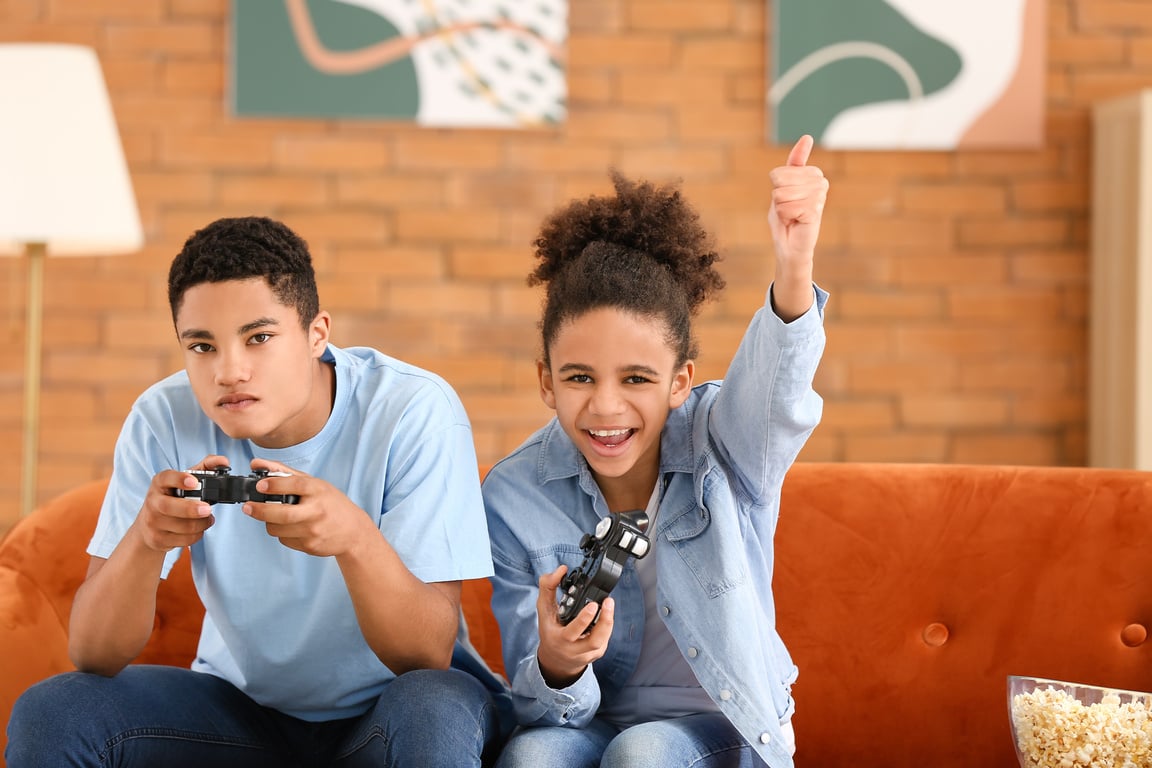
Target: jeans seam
[
  {"x": 375, "y": 732},
  {"x": 174, "y": 734},
  {"x": 701, "y": 758}
]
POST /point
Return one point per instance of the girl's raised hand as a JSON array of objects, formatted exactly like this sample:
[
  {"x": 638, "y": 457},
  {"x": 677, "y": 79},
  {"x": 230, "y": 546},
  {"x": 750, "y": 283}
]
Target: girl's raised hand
[{"x": 799, "y": 192}]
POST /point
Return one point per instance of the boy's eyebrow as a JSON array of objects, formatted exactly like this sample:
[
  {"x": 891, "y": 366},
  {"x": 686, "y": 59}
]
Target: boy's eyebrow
[
  {"x": 263, "y": 322},
  {"x": 200, "y": 333}
]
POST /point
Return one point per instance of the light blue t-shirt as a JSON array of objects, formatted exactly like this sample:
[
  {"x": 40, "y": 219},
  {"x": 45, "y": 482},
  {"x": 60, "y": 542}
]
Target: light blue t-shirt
[{"x": 280, "y": 624}]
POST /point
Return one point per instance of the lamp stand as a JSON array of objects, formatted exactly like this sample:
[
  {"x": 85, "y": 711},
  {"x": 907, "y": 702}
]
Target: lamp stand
[{"x": 35, "y": 253}]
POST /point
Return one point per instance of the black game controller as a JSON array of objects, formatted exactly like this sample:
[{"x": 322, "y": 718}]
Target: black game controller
[
  {"x": 606, "y": 550},
  {"x": 218, "y": 486}
]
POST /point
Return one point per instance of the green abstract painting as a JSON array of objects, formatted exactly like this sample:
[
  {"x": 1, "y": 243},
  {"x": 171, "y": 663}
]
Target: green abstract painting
[
  {"x": 908, "y": 74},
  {"x": 495, "y": 63}
]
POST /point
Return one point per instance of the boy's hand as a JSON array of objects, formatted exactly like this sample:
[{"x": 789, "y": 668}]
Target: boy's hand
[
  {"x": 167, "y": 521},
  {"x": 565, "y": 651},
  {"x": 324, "y": 523}
]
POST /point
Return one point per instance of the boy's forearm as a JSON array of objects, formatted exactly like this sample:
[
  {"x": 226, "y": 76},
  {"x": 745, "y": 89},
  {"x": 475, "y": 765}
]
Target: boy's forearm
[
  {"x": 115, "y": 608},
  {"x": 408, "y": 623}
]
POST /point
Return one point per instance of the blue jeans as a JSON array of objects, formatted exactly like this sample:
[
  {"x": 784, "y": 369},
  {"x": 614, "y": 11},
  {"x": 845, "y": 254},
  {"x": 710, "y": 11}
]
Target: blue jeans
[
  {"x": 166, "y": 716},
  {"x": 694, "y": 741}
]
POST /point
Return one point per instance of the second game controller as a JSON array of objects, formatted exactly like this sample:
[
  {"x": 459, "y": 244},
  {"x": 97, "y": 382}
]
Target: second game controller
[{"x": 606, "y": 550}]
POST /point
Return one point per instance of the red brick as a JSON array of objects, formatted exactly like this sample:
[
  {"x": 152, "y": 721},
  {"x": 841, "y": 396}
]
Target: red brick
[
  {"x": 713, "y": 53},
  {"x": 623, "y": 126},
  {"x": 200, "y": 77},
  {"x": 391, "y": 261},
  {"x": 954, "y": 197},
  {"x": 906, "y": 447},
  {"x": 631, "y": 52},
  {"x": 423, "y": 299},
  {"x": 285, "y": 189},
  {"x": 890, "y": 304},
  {"x": 472, "y": 262},
  {"x": 685, "y": 89},
  {"x": 424, "y": 225},
  {"x": 591, "y": 88},
  {"x": 595, "y": 16},
  {"x": 1113, "y": 16},
  {"x": 331, "y": 153},
  {"x": 953, "y": 410},
  {"x": 182, "y": 39},
  {"x": 1034, "y": 305},
  {"x": 1036, "y": 449},
  {"x": 879, "y": 376},
  {"x": 678, "y": 16}
]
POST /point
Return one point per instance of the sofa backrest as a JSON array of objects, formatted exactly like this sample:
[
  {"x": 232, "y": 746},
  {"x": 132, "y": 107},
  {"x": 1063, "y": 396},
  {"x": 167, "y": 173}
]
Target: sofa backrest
[{"x": 908, "y": 593}]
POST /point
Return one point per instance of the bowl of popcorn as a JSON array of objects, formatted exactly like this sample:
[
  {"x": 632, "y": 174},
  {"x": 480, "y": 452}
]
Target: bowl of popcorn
[{"x": 1056, "y": 724}]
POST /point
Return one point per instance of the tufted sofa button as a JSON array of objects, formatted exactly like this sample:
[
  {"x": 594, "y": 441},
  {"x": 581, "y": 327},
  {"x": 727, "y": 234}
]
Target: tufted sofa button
[
  {"x": 1133, "y": 635},
  {"x": 935, "y": 634}
]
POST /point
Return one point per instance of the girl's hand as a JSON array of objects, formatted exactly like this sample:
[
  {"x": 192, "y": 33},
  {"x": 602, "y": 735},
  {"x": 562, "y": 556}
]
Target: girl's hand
[
  {"x": 799, "y": 192},
  {"x": 565, "y": 651}
]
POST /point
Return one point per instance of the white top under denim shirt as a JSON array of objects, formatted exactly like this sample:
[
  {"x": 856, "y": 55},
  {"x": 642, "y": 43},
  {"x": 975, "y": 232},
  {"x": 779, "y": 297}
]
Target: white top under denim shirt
[{"x": 723, "y": 457}]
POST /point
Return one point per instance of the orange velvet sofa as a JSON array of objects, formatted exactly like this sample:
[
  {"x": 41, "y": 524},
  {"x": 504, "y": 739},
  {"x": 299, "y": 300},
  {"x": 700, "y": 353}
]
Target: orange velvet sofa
[{"x": 906, "y": 593}]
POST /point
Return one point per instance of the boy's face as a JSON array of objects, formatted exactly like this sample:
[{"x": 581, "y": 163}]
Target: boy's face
[
  {"x": 612, "y": 381},
  {"x": 252, "y": 367}
]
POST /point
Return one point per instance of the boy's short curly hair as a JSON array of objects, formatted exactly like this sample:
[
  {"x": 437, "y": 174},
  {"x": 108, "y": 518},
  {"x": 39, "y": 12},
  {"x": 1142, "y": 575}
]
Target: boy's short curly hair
[
  {"x": 243, "y": 248},
  {"x": 642, "y": 250}
]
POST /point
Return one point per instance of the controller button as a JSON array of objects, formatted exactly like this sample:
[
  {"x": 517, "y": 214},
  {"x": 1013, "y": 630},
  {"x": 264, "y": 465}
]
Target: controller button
[
  {"x": 603, "y": 527},
  {"x": 640, "y": 549},
  {"x": 626, "y": 538}
]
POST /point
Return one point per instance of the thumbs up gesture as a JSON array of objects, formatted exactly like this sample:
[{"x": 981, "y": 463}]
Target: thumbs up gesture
[{"x": 799, "y": 191}]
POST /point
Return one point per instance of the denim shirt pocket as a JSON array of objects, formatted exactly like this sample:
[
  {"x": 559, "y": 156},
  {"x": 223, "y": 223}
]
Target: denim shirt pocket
[
  {"x": 548, "y": 559},
  {"x": 708, "y": 543}
]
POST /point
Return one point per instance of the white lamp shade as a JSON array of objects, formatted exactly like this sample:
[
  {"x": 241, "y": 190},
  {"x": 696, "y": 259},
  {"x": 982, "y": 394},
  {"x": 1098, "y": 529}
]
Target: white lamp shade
[{"x": 63, "y": 178}]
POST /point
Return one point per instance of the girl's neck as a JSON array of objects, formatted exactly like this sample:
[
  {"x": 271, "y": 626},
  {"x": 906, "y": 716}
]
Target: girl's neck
[{"x": 629, "y": 491}]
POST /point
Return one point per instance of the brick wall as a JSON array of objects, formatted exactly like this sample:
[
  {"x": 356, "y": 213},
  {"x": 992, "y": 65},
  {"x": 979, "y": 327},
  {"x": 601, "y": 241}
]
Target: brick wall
[{"x": 957, "y": 329}]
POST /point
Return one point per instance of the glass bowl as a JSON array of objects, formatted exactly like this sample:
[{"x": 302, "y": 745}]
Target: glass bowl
[{"x": 1057, "y": 724}]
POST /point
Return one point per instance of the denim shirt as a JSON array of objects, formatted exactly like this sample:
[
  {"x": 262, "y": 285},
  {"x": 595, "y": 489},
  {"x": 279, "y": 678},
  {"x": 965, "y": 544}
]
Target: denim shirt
[{"x": 723, "y": 457}]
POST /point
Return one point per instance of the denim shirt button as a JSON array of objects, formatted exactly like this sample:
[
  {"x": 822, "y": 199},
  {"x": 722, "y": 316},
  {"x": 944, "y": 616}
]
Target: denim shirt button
[
  {"x": 665, "y": 610},
  {"x": 693, "y": 653},
  {"x": 725, "y": 695},
  {"x": 765, "y": 738}
]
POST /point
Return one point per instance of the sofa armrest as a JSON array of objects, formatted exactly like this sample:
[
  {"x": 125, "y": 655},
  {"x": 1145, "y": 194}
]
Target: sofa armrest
[{"x": 33, "y": 640}]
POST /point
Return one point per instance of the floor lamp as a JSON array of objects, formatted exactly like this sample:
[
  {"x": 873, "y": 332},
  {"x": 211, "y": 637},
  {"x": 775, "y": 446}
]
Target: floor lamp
[{"x": 64, "y": 187}]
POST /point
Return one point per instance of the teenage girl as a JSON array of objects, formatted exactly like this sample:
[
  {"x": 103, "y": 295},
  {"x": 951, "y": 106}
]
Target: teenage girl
[{"x": 683, "y": 666}]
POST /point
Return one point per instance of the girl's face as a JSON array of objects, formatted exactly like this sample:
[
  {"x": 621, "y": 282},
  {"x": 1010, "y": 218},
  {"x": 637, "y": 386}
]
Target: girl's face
[{"x": 613, "y": 379}]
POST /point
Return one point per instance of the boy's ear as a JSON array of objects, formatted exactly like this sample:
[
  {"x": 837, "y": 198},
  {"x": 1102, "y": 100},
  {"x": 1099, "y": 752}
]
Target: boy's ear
[
  {"x": 547, "y": 393},
  {"x": 681, "y": 384},
  {"x": 319, "y": 332}
]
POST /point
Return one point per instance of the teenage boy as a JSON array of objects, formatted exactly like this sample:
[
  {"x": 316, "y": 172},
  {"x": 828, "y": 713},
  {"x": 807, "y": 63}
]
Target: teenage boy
[{"x": 331, "y": 626}]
